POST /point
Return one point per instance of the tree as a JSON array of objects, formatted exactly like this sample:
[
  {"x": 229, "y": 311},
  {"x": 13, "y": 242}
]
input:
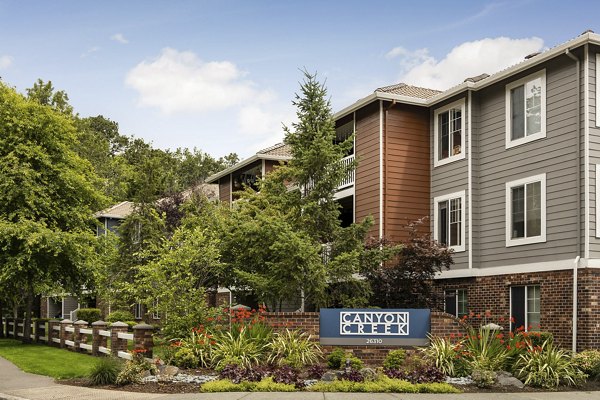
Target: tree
[
  {"x": 43, "y": 93},
  {"x": 47, "y": 197},
  {"x": 407, "y": 281}
]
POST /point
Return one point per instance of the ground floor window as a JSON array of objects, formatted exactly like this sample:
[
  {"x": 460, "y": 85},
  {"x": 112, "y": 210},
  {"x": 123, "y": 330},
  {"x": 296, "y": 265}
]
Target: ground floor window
[
  {"x": 456, "y": 302},
  {"x": 156, "y": 313},
  {"x": 525, "y": 307},
  {"x": 138, "y": 311}
]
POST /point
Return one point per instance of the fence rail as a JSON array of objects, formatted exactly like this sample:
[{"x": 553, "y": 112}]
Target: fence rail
[{"x": 82, "y": 337}]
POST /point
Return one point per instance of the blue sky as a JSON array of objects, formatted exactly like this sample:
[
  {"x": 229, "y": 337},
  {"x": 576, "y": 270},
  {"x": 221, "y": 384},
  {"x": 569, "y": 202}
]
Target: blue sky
[{"x": 220, "y": 75}]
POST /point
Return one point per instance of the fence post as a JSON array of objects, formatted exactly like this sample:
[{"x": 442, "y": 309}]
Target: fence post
[
  {"x": 77, "y": 336},
  {"x": 52, "y": 334},
  {"x": 64, "y": 335},
  {"x": 143, "y": 339},
  {"x": 117, "y": 344},
  {"x": 7, "y": 324},
  {"x": 97, "y": 339}
]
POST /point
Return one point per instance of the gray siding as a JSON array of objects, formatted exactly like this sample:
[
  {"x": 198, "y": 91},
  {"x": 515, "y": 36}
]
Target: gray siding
[
  {"x": 450, "y": 178},
  {"x": 556, "y": 155},
  {"x": 594, "y": 157}
]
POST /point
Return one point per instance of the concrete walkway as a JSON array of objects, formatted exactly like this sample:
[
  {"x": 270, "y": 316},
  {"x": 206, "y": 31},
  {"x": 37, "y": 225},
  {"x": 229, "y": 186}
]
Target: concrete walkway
[{"x": 18, "y": 385}]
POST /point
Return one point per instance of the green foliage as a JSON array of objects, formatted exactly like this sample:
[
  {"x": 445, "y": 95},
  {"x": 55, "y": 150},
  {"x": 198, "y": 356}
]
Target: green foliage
[
  {"x": 483, "y": 378},
  {"x": 394, "y": 359},
  {"x": 265, "y": 385},
  {"x": 534, "y": 337},
  {"x": 547, "y": 367},
  {"x": 194, "y": 350},
  {"x": 294, "y": 348},
  {"x": 89, "y": 314},
  {"x": 443, "y": 354},
  {"x": 119, "y": 315},
  {"x": 106, "y": 371},
  {"x": 185, "y": 358},
  {"x": 268, "y": 385},
  {"x": 382, "y": 384},
  {"x": 133, "y": 370},
  {"x": 236, "y": 349},
  {"x": 336, "y": 358},
  {"x": 588, "y": 361},
  {"x": 484, "y": 350}
]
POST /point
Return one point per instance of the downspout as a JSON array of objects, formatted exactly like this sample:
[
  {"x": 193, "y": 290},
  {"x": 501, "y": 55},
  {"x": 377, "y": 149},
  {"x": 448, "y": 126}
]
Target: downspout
[
  {"x": 470, "y": 175},
  {"x": 380, "y": 169},
  {"x": 577, "y": 158}
]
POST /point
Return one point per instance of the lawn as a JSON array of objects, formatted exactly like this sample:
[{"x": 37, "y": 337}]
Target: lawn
[{"x": 45, "y": 360}]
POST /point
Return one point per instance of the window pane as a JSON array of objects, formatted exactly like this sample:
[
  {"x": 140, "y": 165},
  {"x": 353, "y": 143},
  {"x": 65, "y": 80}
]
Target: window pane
[
  {"x": 455, "y": 222},
  {"x": 444, "y": 139},
  {"x": 518, "y": 212},
  {"x": 462, "y": 302},
  {"x": 443, "y": 222},
  {"x": 456, "y": 127},
  {"x": 534, "y": 209},
  {"x": 533, "y": 106},
  {"x": 517, "y": 109},
  {"x": 450, "y": 301},
  {"x": 533, "y": 308}
]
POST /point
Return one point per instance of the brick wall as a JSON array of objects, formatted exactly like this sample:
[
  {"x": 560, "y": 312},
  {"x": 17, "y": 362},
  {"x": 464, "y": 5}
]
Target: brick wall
[
  {"x": 491, "y": 295},
  {"x": 588, "y": 309},
  {"x": 442, "y": 324}
]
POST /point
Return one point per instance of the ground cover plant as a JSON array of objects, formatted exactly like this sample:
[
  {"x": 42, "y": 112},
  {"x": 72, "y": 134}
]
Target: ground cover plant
[
  {"x": 106, "y": 371},
  {"x": 45, "y": 360}
]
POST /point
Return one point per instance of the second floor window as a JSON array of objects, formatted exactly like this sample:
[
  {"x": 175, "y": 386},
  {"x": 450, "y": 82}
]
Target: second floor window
[
  {"x": 449, "y": 133},
  {"x": 526, "y": 211},
  {"x": 449, "y": 220},
  {"x": 526, "y": 109}
]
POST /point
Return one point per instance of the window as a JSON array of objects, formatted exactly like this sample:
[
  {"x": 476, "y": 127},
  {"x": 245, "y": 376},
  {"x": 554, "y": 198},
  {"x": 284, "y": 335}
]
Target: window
[
  {"x": 156, "y": 313},
  {"x": 449, "y": 220},
  {"x": 456, "y": 302},
  {"x": 449, "y": 133},
  {"x": 526, "y": 109},
  {"x": 525, "y": 307},
  {"x": 138, "y": 311},
  {"x": 526, "y": 211}
]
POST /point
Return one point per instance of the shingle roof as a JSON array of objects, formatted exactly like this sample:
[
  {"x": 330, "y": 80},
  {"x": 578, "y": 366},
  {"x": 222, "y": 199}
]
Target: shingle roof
[
  {"x": 410, "y": 91},
  {"x": 280, "y": 149},
  {"x": 118, "y": 211}
]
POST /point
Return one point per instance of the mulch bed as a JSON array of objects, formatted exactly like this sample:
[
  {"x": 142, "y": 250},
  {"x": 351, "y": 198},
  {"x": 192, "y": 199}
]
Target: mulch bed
[{"x": 150, "y": 387}]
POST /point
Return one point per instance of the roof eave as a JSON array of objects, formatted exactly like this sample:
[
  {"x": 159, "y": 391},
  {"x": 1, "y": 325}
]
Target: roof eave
[
  {"x": 378, "y": 96},
  {"x": 214, "y": 178}
]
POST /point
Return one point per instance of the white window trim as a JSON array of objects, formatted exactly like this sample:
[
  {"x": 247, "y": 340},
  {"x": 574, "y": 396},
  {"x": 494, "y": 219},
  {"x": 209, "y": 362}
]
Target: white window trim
[
  {"x": 439, "y": 199},
  {"x": 597, "y": 189},
  {"x": 436, "y": 161},
  {"x": 526, "y": 306},
  {"x": 542, "y": 134},
  {"x": 597, "y": 91},
  {"x": 533, "y": 239}
]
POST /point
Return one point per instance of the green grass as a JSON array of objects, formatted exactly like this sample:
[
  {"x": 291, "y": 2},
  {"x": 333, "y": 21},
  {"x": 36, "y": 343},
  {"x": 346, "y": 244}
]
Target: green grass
[{"x": 45, "y": 360}]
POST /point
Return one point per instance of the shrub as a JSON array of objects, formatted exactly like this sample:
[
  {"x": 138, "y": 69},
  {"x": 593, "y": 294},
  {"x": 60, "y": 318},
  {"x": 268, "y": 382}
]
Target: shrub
[
  {"x": 270, "y": 385},
  {"x": 293, "y": 348},
  {"x": 382, "y": 385},
  {"x": 225, "y": 385},
  {"x": 483, "y": 378},
  {"x": 352, "y": 375},
  {"x": 199, "y": 344},
  {"x": 237, "y": 374},
  {"x": 484, "y": 350},
  {"x": 89, "y": 314},
  {"x": 425, "y": 373},
  {"x": 316, "y": 371},
  {"x": 185, "y": 358},
  {"x": 588, "y": 361},
  {"x": 134, "y": 369},
  {"x": 534, "y": 337},
  {"x": 119, "y": 316},
  {"x": 288, "y": 376},
  {"x": 241, "y": 350},
  {"x": 442, "y": 353},
  {"x": 547, "y": 366},
  {"x": 106, "y": 371},
  {"x": 335, "y": 358},
  {"x": 394, "y": 359}
]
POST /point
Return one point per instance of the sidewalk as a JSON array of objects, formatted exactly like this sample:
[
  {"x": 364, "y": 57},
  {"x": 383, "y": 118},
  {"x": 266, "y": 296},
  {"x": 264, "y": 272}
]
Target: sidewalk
[{"x": 18, "y": 385}]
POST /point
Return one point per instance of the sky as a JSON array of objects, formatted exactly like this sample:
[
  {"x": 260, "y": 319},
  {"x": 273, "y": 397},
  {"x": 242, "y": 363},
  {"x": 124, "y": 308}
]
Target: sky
[{"x": 221, "y": 75}]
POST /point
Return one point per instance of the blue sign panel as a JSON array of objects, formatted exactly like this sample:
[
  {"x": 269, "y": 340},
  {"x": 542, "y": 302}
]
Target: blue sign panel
[{"x": 351, "y": 326}]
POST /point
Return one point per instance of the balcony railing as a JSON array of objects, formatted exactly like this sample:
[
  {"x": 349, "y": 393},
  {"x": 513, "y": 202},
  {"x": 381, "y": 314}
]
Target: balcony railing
[{"x": 349, "y": 181}]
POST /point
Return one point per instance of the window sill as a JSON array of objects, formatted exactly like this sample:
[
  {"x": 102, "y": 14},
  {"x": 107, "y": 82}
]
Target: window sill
[
  {"x": 451, "y": 159},
  {"x": 458, "y": 249},
  {"x": 526, "y": 139},
  {"x": 525, "y": 241}
]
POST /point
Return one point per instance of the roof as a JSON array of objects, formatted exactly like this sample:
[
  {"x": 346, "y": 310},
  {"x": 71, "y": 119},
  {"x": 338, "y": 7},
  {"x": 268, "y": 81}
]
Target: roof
[
  {"x": 280, "y": 149},
  {"x": 404, "y": 94},
  {"x": 118, "y": 211},
  {"x": 278, "y": 152},
  {"x": 410, "y": 91}
]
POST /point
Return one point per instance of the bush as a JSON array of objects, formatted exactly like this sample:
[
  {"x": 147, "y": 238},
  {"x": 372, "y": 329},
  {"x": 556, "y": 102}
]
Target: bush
[
  {"x": 334, "y": 359},
  {"x": 294, "y": 349},
  {"x": 485, "y": 350},
  {"x": 270, "y": 385},
  {"x": 352, "y": 375},
  {"x": 198, "y": 345},
  {"x": 89, "y": 314},
  {"x": 547, "y": 366},
  {"x": 442, "y": 353},
  {"x": 483, "y": 378},
  {"x": 588, "y": 361},
  {"x": 241, "y": 350},
  {"x": 237, "y": 374},
  {"x": 265, "y": 385},
  {"x": 185, "y": 358},
  {"x": 425, "y": 373},
  {"x": 119, "y": 316},
  {"x": 382, "y": 385},
  {"x": 315, "y": 371},
  {"x": 288, "y": 376},
  {"x": 534, "y": 337},
  {"x": 394, "y": 359},
  {"x": 106, "y": 371}
]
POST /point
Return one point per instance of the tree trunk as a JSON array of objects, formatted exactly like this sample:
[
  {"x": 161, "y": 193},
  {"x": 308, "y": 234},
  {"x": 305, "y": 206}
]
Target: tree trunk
[{"x": 27, "y": 321}]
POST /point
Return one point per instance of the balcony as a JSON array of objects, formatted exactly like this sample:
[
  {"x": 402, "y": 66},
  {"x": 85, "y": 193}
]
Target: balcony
[{"x": 349, "y": 180}]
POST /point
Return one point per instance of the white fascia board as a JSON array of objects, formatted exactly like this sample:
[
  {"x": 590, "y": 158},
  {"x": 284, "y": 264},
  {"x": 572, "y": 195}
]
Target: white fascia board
[{"x": 508, "y": 269}]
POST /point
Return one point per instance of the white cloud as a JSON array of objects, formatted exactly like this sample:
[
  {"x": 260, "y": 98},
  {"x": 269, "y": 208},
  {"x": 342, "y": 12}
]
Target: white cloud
[
  {"x": 420, "y": 68},
  {"x": 90, "y": 51},
  {"x": 118, "y": 37},
  {"x": 5, "y": 62},
  {"x": 179, "y": 81}
]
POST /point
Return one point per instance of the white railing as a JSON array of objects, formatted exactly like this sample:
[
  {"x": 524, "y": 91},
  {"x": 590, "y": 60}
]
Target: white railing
[{"x": 349, "y": 180}]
